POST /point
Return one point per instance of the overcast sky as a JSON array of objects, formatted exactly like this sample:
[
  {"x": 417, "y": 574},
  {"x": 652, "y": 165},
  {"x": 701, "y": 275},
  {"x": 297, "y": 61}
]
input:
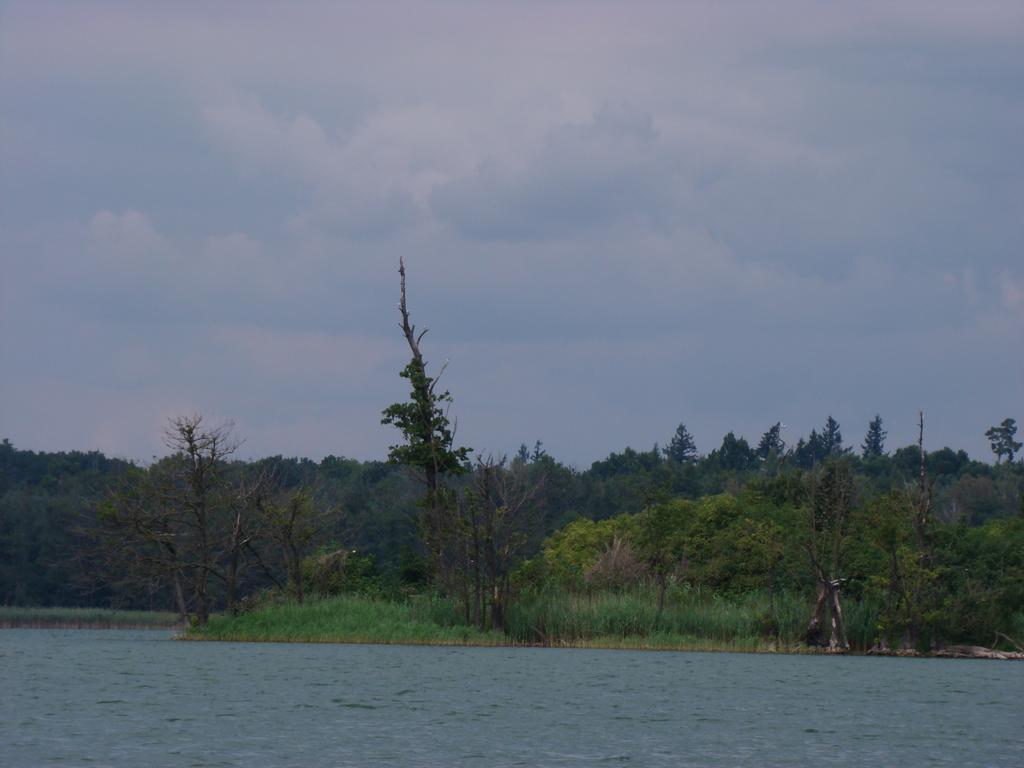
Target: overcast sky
[{"x": 616, "y": 217}]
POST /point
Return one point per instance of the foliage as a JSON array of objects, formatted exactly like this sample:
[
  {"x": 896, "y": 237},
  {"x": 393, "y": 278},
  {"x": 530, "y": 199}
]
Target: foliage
[
  {"x": 681, "y": 448},
  {"x": 1001, "y": 439},
  {"x": 874, "y": 441}
]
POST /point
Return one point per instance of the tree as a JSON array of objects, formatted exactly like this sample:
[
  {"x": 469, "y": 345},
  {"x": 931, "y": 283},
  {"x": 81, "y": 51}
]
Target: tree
[
  {"x": 771, "y": 441},
  {"x": 429, "y": 446},
  {"x": 661, "y": 541},
  {"x": 807, "y": 453},
  {"x": 735, "y": 454},
  {"x": 539, "y": 454},
  {"x": 292, "y": 523},
  {"x": 498, "y": 515},
  {"x": 874, "y": 441},
  {"x": 1001, "y": 439},
  {"x": 831, "y": 438},
  {"x": 185, "y": 519},
  {"x": 828, "y": 517},
  {"x": 681, "y": 448}
]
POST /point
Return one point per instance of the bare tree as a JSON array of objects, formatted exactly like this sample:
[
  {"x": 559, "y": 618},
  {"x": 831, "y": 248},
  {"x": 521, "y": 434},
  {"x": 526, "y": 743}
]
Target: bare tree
[
  {"x": 188, "y": 518},
  {"x": 498, "y": 514}
]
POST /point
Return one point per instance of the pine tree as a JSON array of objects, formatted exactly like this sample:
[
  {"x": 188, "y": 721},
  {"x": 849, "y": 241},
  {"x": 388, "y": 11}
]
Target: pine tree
[
  {"x": 810, "y": 451},
  {"x": 874, "y": 441},
  {"x": 1001, "y": 439},
  {"x": 771, "y": 441},
  {"x": 681, "y": 448},
  {"x": 831, "y": 438}
]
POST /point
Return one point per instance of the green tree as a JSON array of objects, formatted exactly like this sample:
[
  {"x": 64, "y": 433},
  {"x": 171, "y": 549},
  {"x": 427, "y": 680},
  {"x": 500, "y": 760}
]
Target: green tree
[
  {"x": 874, "y": 441},
  {"x": 735, "y": 454},
  {"x": 771, "y": 442},
  {"x": 429, "y": 445},
  {"x": 831, "y": 438},
  {"x": 1001, "y": 439},
  {"x": 661, "y": 541},
  {"x": 681, "y": 448}
]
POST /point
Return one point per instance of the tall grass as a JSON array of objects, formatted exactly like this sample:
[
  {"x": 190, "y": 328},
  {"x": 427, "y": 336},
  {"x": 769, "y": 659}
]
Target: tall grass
[
  {"x": 87, "y": 618},
  {"x": 690, "y": 620},
  {"x": 751, "y": 621}
]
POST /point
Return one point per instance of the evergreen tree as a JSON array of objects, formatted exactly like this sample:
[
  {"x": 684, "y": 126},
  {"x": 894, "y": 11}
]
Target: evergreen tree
[
  {"x": 831, "y": 438},
  {"x": 538, "y": 452},
  {"x": 734, "y": 454},
  {"x": 681, "y": 448},
  {"x": 809, "y": 452},
  {"x": 771, "y": 441},
  {"x": 1001, "y": 439},
  {"x": 874, "y": 441}
]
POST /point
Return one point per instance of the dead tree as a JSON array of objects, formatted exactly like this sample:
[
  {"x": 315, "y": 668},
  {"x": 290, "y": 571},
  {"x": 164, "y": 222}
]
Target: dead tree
[
  {"x": 185, "y": 520},
  {"x": 499, "y": 513},
  {"x": 828, "y": 519}
]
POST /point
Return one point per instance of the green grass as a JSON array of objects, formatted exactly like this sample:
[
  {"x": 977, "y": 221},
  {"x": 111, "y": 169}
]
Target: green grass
[
  {"x": 690, "y": 621},
  {"x": 348, "y": 619},
  {"x": 84, "y": 618}
]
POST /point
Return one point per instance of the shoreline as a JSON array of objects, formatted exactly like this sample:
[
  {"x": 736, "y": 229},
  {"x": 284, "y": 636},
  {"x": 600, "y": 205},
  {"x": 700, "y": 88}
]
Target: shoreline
[
  {"x": 42, "y": 624},
  {"x": 599, "y": 644},
  {"x": 15, "y": 617}
]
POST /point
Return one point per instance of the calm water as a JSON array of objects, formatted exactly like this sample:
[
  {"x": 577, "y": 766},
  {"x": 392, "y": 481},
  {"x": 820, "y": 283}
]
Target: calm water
[{"x": 125, "y": 698}]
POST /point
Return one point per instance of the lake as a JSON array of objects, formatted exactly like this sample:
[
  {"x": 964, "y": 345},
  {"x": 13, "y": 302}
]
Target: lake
[{"x": 139, "y": 698}]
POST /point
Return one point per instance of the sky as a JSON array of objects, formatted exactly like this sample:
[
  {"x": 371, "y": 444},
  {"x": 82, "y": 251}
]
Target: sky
[{"x": 616, "y": 217}]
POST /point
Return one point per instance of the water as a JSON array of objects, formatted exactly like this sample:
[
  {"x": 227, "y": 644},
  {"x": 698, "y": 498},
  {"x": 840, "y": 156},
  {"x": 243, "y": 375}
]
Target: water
[{"x": 125, "y": 698}]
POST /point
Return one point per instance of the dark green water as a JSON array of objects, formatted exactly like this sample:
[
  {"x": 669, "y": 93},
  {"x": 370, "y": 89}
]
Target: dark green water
[{"x": 125, "y": 698}]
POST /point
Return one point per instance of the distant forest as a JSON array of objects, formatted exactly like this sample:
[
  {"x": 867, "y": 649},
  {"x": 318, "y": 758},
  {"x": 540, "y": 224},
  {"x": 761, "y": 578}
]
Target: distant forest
[{"x": 52, "y": 504}]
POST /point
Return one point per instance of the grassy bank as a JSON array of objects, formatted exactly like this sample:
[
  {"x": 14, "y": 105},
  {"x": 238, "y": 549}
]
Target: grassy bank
[
  {"x": 347, "y": 620},
  {"x": 610, "y": 620},
  {"x": 83, "y": 618}
]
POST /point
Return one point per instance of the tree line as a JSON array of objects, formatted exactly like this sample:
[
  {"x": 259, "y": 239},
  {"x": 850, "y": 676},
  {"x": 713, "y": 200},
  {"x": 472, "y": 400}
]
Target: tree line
[{"x": 200, "y": 530}]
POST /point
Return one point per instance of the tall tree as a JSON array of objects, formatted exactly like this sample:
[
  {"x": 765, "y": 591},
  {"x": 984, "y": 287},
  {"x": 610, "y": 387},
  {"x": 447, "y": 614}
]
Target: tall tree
[
  {"x": 831, "y": 437},
  {"x": 1001, "y": 439},
  {"x": 429, "y": 446},
  {"x": 874, "y": 440},
  {"x": 807, "y": 453},
  {"x": 682, "y": 448},
  {"x": 735, "y": 454},
  {"x": 771, "y": 441}
]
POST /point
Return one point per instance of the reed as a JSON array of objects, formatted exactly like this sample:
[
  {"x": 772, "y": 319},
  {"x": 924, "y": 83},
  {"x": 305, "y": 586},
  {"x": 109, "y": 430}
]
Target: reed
[
  {"x": 691, "y": 620},
  {"x": 83, "y": 618}
]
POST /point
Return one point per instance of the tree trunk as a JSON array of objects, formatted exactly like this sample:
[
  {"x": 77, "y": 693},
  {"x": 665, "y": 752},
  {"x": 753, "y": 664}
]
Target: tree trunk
[
  {"x": 813, "y": 634},
  {"x": 179, "y": 597},
  {"x": 294, "y": 567},
  {"x": 838, "y": 642}
]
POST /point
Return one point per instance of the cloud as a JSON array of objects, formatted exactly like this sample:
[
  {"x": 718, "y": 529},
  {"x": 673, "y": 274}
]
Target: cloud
[
  {"x": 585, "y": 176},
  {"x": 128, "y": 237},
  {"x": 1012, "y": 293},
  {"x": 615, "y": 218},
  {"x": 356, "y": 186}
]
